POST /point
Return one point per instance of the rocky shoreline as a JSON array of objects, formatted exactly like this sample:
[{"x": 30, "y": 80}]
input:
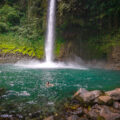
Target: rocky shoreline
[
  {"x": 91, "y": 105},
  {"x": 84, "y": 105}
]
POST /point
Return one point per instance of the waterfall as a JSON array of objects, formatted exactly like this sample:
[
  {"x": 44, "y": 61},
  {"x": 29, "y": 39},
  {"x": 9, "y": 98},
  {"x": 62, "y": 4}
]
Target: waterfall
[
  {"x": 49, "y": 47},
  {"x": 50, "y": 36}
]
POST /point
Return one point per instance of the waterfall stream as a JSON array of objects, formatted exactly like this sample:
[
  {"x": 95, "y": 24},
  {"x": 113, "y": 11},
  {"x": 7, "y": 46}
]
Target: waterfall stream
[{"x": 50, "y": 36}]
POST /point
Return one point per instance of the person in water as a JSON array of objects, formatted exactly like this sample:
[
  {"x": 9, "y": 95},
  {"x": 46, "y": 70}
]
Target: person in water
[{"x": 48, "y": 84}]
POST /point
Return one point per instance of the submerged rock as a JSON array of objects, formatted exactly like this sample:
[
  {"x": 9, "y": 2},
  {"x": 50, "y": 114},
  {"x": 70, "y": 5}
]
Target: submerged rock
[
  {"x": 35, "y": 114},
  {"x": 115, "y": 94}
]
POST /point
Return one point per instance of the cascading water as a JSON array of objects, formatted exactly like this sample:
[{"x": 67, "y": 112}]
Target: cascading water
[{"x": 50, "y": 36}]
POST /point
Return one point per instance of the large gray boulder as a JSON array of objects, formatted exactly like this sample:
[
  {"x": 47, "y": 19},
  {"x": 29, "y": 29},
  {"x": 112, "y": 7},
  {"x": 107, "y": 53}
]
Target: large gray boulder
[{"x": 87, "y": 96}]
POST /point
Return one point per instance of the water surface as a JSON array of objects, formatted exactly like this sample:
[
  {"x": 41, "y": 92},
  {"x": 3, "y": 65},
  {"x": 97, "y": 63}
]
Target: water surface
[{"x": 26, "y": 87}]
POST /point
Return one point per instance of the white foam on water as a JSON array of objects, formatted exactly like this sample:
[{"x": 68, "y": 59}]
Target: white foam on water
[
  {"x": 24, "y": 93},
  {"x": 33, "y": 64},
  {"x": 50, "y": 103}
]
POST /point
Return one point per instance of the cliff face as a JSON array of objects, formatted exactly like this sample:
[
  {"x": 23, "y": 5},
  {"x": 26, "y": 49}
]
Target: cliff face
[
  {"x": 114, "y": 58},
  {"x": 90, "y": 30}
]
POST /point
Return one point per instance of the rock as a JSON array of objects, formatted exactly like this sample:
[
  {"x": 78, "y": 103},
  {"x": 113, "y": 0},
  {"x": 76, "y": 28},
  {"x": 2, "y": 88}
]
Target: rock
[
  {"x": 116, "y": 105},
  {"x": 108, "y": 114},
  {"x": 79, "y": 112},
  {"x": 49, "y": 118},
  {"x": 115, "y": 94},
  {"x": 80, "y": 91},
  {"x": 105, "y": 99},
  {"x": 73, "y": 117},
  {"x": 93, "y": 113},
  {"x": 102, "y": 111},
  {"x": 90, "y": 96}
]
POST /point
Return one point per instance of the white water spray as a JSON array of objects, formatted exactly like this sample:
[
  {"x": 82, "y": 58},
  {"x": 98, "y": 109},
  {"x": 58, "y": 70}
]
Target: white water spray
[{"x": 50, "y": 36}]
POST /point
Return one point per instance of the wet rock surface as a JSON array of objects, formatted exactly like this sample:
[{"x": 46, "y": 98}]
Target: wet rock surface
[
  {"x": 115, "y": 94},
  {"x": 105, "y": 99}
]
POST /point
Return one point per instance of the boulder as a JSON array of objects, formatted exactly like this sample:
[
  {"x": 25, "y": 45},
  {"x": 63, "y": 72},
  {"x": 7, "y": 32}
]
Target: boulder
[
  {"x": 105, "y": 99},
  {"x": 116, "y": 105},
  {"x": 115, "y": 94},
  {"x": 108, "y": 114},
  {"x": 102, "y": 111},
  {"x": 90, "y": 96},
  {"x": 87, "y": 96},
  {"x": 80, "y": 91}
]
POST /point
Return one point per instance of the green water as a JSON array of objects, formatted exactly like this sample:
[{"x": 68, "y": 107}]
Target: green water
[{"x": 26, "y": 90}]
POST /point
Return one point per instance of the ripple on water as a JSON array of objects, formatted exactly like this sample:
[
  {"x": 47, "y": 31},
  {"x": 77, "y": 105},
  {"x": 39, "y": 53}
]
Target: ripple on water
[{"x": 24, "y": 93}]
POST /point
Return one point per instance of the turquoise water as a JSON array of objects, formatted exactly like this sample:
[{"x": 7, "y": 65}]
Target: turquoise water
[{"x": 25, "y": 88}]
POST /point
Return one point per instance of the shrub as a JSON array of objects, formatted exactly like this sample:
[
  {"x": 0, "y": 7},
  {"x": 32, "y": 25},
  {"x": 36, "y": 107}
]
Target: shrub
[
  {"x": 13, "y": 18},
  {"x": 9, "y": 15},
  {"x": 3, "y": 27}
]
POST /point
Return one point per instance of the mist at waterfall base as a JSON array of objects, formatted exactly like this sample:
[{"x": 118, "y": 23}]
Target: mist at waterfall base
[{"x": 36, "y": 64}]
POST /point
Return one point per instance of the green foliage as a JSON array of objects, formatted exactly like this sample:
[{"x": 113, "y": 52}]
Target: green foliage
[
  {"x": 9, "y": 17},
  {"x": 10, "y": 43},
  {"x": 100, "y": 46},
  {"x": 58, "y": 44},
  {"x": 22, "y": 31},
  {"x": 13, "y": 18},
  {"x": 3, "y": 27}
]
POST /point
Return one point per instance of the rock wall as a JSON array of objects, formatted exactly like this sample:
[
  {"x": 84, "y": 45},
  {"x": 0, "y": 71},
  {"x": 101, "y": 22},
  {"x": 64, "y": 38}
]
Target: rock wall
[
  {"x": 114, "y": 58},
  {"x": 12, "y": 58}
]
